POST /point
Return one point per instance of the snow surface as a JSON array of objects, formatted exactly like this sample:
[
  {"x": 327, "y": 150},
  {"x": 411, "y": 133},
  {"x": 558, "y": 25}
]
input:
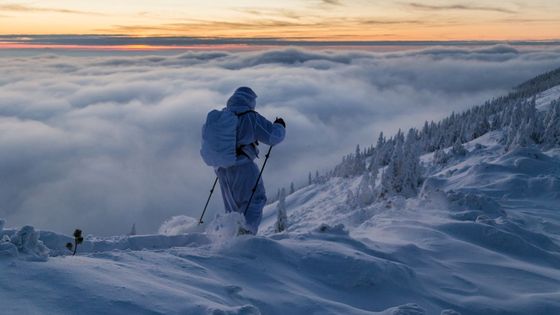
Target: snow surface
[{"x": 482, "y": 238}]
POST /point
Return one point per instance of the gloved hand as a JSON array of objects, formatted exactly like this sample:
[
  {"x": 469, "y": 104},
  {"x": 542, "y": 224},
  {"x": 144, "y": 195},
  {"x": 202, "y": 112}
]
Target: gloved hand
[{"x": 280, "y": 121}]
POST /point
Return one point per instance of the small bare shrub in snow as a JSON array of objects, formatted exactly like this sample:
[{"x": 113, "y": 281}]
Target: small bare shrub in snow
[
  {"x": 78, "y": 239},
  {"x": 337, "y": 229}
]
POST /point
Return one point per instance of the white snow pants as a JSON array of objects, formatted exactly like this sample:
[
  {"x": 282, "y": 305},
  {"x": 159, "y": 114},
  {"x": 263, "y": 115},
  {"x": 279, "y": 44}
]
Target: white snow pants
[{"x": 236, "y": 183}]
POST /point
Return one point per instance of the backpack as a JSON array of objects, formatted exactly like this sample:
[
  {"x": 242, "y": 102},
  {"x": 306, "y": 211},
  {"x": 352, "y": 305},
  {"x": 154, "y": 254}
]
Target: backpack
[{"x": 219, "y": 138}]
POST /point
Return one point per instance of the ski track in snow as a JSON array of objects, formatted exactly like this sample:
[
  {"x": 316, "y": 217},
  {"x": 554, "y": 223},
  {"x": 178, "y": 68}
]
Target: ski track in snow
[{"x": 483, "y": 237}]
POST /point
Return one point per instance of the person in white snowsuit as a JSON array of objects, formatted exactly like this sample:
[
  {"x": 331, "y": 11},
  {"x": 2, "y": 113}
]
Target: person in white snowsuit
[{"x": 237, "y": 181}]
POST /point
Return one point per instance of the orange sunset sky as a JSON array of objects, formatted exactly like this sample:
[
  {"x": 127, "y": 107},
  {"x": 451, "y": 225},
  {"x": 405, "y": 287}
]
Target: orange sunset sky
[{"x": 348, "y": 20}]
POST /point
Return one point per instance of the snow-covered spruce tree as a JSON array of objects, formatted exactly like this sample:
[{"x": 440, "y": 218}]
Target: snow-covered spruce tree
[
  {"x": 386, "y": 184},
  {"x": 440, "y": 157},
  {"x": 495, "y": 123},
  {"x": 411, "y": 164},
  {"x": 402, "y": 175},
  {"x": 373, "y": 168},
  {"x": 525, "y": 126},
  {"x": 383, "y": 150},
  {"x": 292, "y": 188},
  {"x": 282, "y": 217},
  {"x": 551, "y": 133},
  {"x": 392, "y": 178},
  {"x": 359, "y": 164},
  {"x": 352, "y": 164},
  {"x": 351, "y": 199},
  {"x": 365, "y": 194},
  {"x": 481, "y": 127},
  {"x": 458, "y": 149},
  {"x": 534, "y": 122},
  {"x": 309, "y": 179}
]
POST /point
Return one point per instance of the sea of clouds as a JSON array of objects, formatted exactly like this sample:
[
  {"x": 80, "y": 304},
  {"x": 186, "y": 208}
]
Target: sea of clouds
[{"x": 101, "y": 142}]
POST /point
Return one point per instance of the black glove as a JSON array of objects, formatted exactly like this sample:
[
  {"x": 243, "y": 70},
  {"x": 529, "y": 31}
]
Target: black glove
[{"x": 280, "y": 121}]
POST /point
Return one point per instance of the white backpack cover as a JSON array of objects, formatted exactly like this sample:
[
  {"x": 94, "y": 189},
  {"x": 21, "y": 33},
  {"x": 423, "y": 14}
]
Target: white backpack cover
[{"x": 219, "y": 138}]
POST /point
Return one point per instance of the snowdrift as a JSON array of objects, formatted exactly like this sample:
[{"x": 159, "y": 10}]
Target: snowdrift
[{"x": 23, "y": 242}]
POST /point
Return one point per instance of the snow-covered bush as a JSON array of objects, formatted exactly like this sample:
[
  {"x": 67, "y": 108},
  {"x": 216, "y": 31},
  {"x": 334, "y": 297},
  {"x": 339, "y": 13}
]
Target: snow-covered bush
[
  {"x": 27, "y": 242},
  {"x": 24, "y": 243},
  {"x": 7, "y": 249}
]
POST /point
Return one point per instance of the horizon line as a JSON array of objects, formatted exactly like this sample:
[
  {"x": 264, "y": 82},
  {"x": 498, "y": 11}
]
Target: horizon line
[{"x": 166, "y": 42}]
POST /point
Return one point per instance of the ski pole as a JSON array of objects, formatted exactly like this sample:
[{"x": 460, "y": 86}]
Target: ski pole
[
  {"x": 258, "y": 179},
  {"x": 207, "y": 201}
]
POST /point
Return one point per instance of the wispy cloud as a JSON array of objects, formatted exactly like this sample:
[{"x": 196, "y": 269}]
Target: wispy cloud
[
  {"x": 28, "y": 8},
  {"x": 389, "y": 21},
  {"x": 295, "y": 26},
  {"x": 280, "y": 13},
  {"x": 459, "y": 7},
  {"x": 529, "y": 20},
  {"x": 206, "y": 25},
  {"x": 332, "y": 2}
]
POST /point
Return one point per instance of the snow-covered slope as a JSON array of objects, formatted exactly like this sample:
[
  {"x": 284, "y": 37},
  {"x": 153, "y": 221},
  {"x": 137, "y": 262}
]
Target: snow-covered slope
[
  {"x": 473, "y": 242},
  {"x": 481, "y": 237},
  {"x": 485, "y": 212}
]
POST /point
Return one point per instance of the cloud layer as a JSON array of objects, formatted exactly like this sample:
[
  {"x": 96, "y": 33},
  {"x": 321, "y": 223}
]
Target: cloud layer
[
  {"x": 102, "y": 142},
  {"x": 255, "y": 42}
]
